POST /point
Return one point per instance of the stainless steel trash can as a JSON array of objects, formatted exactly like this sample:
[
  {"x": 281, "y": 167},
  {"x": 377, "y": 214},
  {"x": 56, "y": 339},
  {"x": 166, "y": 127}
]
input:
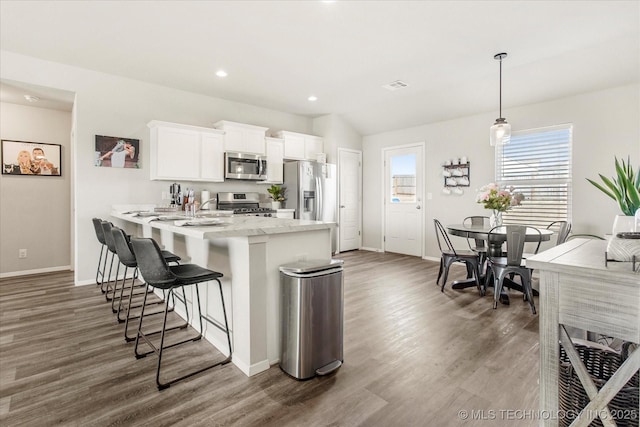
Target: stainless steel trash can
[{"x": 312, "y": 318}]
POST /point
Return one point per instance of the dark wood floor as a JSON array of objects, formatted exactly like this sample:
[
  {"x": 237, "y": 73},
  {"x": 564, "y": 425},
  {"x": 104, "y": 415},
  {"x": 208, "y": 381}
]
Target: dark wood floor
[{"x": 413, "y": 357}]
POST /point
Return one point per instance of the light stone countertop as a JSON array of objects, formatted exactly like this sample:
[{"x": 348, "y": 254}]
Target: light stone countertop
[{"x": 235, "y": 226}]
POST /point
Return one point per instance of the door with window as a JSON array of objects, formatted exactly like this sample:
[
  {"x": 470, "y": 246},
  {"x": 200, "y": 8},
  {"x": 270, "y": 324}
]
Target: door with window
[{"x": 403, "y": 209}]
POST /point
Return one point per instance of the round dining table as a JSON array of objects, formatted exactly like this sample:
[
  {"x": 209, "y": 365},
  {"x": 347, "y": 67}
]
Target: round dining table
[
  {"x": 494, "y": 248},
  {"x": 481, "y": 232}
]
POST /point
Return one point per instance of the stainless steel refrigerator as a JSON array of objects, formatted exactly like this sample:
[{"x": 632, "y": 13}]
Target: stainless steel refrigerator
[{"x": 312, "y": 192}]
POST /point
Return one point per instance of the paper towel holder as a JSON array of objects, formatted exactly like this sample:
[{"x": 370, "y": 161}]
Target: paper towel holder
[{"x": 206, "y": 199}]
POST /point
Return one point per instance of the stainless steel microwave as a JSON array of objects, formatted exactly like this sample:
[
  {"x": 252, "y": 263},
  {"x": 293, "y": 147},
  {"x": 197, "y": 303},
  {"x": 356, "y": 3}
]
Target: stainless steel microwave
[{"x": 245, "y": 166}]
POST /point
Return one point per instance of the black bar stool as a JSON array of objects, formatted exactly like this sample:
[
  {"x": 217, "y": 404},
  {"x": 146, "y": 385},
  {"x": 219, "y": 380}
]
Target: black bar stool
[
  {"x": 110, "y": 291},
  {"x": 111, "y": 249},
  {"x": 97, "y": 225},
  {"x": 158, "y": 274},
  {"x": 128, "y": 259}
]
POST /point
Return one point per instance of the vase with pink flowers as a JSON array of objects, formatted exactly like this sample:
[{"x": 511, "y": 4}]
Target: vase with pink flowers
[{"x": 499, "y": 200}]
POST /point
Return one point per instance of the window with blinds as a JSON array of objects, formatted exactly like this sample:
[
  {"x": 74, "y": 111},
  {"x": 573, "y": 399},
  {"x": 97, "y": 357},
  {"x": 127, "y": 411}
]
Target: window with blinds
[{"x": 537, "y": 163}]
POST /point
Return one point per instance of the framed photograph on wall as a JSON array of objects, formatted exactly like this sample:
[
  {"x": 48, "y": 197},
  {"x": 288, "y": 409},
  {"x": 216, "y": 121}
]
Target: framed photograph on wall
[
  {"x": 116, "y": 152},
  {"x": 31, "y": 158}
]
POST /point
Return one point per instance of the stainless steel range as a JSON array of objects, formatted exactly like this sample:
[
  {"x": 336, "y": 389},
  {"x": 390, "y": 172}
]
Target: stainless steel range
[{"x": 247, "y": 204}]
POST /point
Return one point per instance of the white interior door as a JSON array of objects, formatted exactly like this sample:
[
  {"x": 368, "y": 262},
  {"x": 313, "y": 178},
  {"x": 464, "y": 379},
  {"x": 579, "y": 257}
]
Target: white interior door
[
  {"x": 350, "y": 219},
  {"x": 403, "y": 175}
]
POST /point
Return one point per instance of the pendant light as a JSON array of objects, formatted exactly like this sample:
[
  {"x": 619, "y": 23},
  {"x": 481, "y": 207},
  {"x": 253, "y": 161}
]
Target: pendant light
[{"x": 500, "y": 132}]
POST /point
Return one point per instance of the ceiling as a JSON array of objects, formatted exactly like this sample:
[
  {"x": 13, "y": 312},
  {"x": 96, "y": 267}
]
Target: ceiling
[
  {"x": 278, "y": 53},
  {"x": 46, "y": 97}
]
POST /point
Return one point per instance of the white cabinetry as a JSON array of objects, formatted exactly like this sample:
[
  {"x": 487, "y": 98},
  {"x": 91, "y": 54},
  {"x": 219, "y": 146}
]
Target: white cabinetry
[
  {"x": 313, "y": 145},
  {"x": 299, "y": 146},
  {"x": 242, "y": 138},
  {"x": 275, "y": 157},
  {"x": 187, "y": 153}
]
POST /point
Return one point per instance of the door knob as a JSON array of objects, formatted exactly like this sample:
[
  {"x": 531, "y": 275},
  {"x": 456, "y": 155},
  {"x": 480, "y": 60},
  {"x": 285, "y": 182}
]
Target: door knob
[
  {"x": 418, "y": 207},
  {"x": 342, "y": 206}
]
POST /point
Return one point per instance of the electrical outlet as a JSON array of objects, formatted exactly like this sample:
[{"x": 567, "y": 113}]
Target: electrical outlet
[{"x": 22, "y": 253}]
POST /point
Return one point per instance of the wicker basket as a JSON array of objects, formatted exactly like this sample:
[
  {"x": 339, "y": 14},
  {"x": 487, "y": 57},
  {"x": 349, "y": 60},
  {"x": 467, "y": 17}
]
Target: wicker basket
[{"x": 601, "y": 364}]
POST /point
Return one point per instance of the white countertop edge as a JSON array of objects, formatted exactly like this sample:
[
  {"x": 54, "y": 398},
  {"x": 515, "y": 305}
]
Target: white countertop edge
[{"x": 238, "y": 227}]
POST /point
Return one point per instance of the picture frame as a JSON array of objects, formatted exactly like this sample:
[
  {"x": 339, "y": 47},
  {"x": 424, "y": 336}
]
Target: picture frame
[
  {"x": 26, "y": 158},
  {"x": 117, "y": 152}
]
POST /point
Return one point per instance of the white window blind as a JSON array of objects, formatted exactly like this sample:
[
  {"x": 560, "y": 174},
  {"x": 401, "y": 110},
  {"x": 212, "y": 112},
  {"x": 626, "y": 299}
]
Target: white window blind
[{"x": 537, "y": 163}]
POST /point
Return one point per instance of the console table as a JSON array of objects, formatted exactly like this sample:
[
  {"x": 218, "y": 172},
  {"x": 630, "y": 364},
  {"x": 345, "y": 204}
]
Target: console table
[{"x": 578, "y": 290}]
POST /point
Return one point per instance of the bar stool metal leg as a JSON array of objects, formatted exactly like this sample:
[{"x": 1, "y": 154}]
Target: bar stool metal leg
[
  {"x": 98, "y": 272},
  {"x": 157, "y": 273},
  {"x": 163, "y": 385}
]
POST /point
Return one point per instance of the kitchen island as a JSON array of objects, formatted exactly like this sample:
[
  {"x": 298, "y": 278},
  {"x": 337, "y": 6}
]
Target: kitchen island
[{"x": 248, "y": 250}]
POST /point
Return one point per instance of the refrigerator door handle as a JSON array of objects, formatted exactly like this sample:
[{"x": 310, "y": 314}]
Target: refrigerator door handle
[{"x": 318, "y": 199}]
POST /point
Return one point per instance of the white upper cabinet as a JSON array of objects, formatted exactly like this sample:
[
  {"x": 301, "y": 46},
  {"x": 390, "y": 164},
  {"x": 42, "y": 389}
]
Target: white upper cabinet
[
  {"x": 187, "y": 153},
  {"x": 300, "y": 146},
  {"x": 242, "y": 138},
  {"x": 313, "y": 145},
  {"x": 275, "y": 163},
  {"x": 212, "y": 160}
]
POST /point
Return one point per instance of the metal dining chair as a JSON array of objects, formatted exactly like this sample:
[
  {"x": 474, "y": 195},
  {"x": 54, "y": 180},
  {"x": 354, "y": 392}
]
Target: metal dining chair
[
  {"x": 449, "y": 255},
  {"x": 563, "y": 227},
  {"x": 479, "y": 244},
  {"x": 512, "y": 263}
]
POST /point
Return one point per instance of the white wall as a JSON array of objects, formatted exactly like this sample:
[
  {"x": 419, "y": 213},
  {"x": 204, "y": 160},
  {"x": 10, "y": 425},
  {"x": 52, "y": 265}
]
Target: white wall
[
  {"x": 115, "y": 106},
  {"x": 606, "y": 124},
  {"x": 35, "y": 210},
  {"x": 337, "y": 133}
]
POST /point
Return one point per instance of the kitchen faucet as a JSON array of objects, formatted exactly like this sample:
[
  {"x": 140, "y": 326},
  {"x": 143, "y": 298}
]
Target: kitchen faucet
[{"x": 213, "y": 199}]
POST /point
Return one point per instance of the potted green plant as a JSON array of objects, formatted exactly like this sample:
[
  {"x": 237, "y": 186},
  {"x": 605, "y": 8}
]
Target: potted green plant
[
  {"x": 624, "y": 188},
  {"x": 277, "y": 193}
]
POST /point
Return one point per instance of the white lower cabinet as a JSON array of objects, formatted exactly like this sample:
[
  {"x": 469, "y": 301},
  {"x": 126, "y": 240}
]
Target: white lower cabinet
[{"x": 187, "y": 153}]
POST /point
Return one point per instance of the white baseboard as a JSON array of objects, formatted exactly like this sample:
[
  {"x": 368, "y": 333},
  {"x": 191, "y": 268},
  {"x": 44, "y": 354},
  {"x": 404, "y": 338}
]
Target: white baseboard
[
  {"x": 431, "y": 258},
  {"x": 371, "y": 249},
  {"x": 93, "y": 281},
  {"x": 36, "y": 271},
  {"x": 85, "y": 282}
]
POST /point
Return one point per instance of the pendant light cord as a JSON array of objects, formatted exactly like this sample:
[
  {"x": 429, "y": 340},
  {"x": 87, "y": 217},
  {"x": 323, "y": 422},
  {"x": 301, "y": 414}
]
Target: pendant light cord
[{"x": 500, "y": 87}]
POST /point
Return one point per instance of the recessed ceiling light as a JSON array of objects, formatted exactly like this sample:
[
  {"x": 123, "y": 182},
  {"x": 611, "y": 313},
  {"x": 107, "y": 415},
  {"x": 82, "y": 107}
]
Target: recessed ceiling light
[
  {"x": 31, "y": 98},
  {"x": 221, "y": 73},
  {"x": 312, "y": 98}
]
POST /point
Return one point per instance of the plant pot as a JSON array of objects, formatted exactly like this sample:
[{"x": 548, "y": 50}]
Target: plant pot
[
  {"x": 275, "y": 205},
  {"x": 623, "y": 223}
]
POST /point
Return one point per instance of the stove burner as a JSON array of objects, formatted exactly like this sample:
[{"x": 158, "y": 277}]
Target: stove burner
[
  {"x": 243, "y": 204},
  {"x": 254, "y": 211}
]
